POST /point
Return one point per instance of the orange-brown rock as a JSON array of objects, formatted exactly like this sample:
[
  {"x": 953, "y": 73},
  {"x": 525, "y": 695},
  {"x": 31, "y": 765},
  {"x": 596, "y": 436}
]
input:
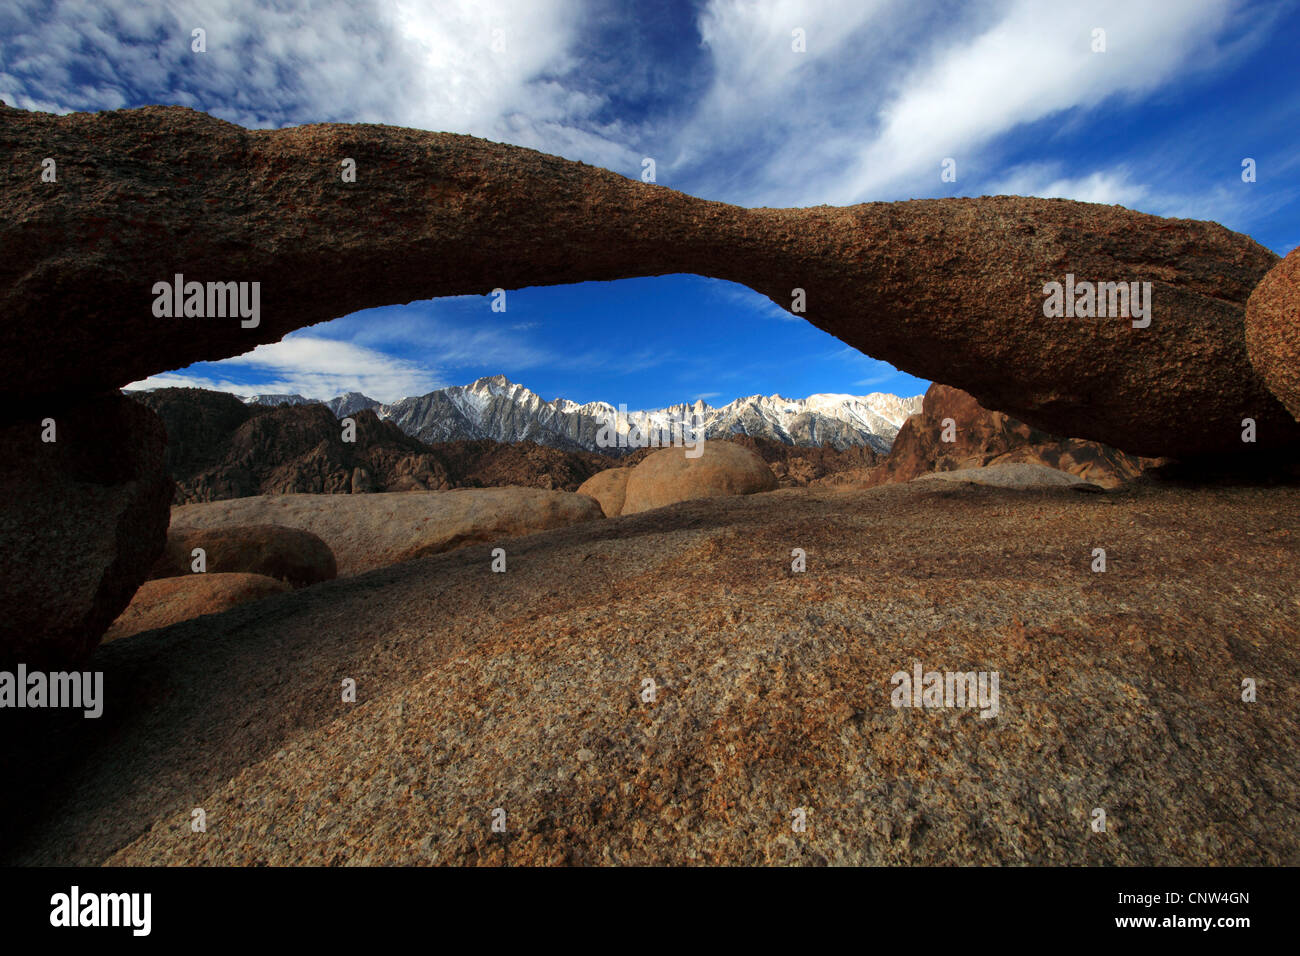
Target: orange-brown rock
[
  {"x": 980, "y": 437},
  {"x": 292, "y": 555},
  {"x": 948, "y": 289},
  {"x": 525, "y": 691},
  {"x": 167, "y": 601},
  {"x": 1273, "y": 331},
  {"x": 609, "y": 487},
  {"x": 670, "y": 475},
  {"x": 370, "y": 531},
  {"x": 83, "y": 516}
]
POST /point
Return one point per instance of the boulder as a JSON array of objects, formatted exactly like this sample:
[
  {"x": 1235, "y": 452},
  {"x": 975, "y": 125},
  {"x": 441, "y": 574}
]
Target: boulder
[
  {"x": 609, "y": 488},
  {"x": 1273, "y": 332},
  {"x": 951, "y": 290},
  {"x": 981, "y": 437},
  {"x": 1022, "y": 476},
  {"x": 292, "y": 555},
  {"x": 669, "y": 475},
  {"x": 371, "y": 531},
  {"x": 82, "y": 519},
  {"x": 167, "y": 601}
]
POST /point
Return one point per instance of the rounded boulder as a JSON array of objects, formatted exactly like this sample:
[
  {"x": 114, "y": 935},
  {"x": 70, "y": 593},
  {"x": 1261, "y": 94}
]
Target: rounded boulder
[
  {"x": 671, "y": 475},
  {"x": 609, "y": 488},
  {"x": 1273, "y": 331}
]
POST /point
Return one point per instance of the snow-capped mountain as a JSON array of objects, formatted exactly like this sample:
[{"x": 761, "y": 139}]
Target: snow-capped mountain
[
  {"x": 351, "y": 403},
  {"x": 504, "y": 411},
  {"x": 281, "y": 400}
]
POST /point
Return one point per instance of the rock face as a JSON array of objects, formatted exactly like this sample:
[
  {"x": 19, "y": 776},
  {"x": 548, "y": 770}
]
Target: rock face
[
  {"x": 981, "y": 437},
  {"x": 167, "y": 601},
  {"x": 371, "y": 531},
  {"x": 297, "y": 557},
  {"x": 524, "y": 691},
  {"x": 1273, "y": 331},
  {"x": 82, "y": 518},
  {"x": 668, "y": 476},
  {"x": 950, "y": 290},
  {"x": 609, "y": 487},
  {"x": 219, "y": 447}
]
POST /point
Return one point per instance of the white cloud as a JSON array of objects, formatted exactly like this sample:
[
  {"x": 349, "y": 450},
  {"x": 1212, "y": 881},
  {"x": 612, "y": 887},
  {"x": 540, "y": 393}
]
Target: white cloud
[
  {"x": 885, "y": 90},
  {"x": 484, "y": 67},
  {"x": 312, "y": 367},
  {"x": 1034, "y": 62},
  {"x": 889, "y": 90},
  {"x": 1110, "y": 187}
]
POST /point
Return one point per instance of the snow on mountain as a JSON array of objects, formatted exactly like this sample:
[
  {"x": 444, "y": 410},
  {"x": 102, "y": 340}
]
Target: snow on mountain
[
  {"x": 496, "y": 408},
  {"x": 351, "y": 403},
  {"x": 281, "y": 400}
]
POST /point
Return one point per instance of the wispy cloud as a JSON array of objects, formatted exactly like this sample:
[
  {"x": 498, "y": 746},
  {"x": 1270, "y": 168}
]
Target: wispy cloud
[{"x": 308, "y": 366}]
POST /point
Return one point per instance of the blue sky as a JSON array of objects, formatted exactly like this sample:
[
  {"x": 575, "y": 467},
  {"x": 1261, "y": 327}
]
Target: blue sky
[{"x": 715, "y": 92}]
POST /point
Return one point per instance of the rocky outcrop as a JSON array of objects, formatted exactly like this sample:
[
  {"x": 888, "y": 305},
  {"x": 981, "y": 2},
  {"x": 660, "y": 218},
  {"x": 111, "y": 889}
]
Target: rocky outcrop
[
  {"x": 483, "y": 463},
  {"x": 1273, "y": 331},
  {"x": 371, "y": 531},
  {"x": 219, "y": 447},
  {"x": 226, "y": 449},
  {"x": 609, "y": 488},
  {"x": 167, "y": 601},
  {"x": 948, "y": 289},
  {"x": 772, "y": 692},
  {"x": 954, "y": 432},
  {"x": 82, "y": 519},
  {"x": 292, "y": 555},
  {"x": 670, "y": 475}
]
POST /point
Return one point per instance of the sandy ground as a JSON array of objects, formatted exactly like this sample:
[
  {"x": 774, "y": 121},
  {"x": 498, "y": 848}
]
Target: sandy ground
[{"x": 524, "y": 692}]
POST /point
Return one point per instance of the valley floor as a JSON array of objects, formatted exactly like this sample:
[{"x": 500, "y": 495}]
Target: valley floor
[{"x": 525, "y": 692}]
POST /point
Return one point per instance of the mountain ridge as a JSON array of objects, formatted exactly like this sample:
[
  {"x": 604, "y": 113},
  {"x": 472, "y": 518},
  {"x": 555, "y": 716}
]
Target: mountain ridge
[{"x": 495, "y": 408}]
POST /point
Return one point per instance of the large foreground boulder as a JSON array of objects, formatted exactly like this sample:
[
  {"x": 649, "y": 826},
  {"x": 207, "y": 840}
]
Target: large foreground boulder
[
  {"x": 951, "y": 290},
  {"x": 769, "y": 692},
  {"x": 292, "y": 555},
  {"x": 954, "y": 431},
  {"x": 670, "y": 475},
  {"x": 82, "y": 519},
  {"x": 1273, "y": 331},
  {"x": 371, "y": 531},
  {"x": 168, "y": 601}
]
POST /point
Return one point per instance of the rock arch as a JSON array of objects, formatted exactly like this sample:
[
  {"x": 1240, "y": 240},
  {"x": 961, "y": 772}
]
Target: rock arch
[{"x": 947, "y": 289}]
